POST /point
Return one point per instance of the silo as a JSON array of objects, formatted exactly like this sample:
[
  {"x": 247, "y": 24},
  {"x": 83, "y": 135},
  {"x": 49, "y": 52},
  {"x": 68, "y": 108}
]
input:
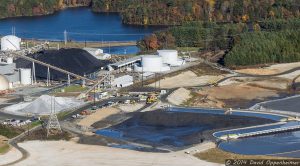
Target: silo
[
  {"x": 4, "y": 84},
  {"x": 169, "y": 56},
  {"x": 25, "y": 76},
  {"x": 10, "y": 43}
]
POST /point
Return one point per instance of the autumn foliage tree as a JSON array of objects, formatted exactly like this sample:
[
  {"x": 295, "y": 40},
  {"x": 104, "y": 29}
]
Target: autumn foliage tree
[{"x": 177, "y": 12}]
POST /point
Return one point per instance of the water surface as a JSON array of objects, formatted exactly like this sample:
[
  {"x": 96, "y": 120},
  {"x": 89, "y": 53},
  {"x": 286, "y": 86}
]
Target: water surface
[
  {"x": 265, "y": 145},
  {"x": 81, "y": 24}
]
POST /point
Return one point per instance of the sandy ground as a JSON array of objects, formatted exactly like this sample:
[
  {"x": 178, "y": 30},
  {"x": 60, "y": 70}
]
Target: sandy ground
[
  {"x": 291, "y": 75},
  {"x": 185, "y": 79},
  {"x": 271, "y": 83},
  {"x": 97, "y": 116},
  {"x": 179, "y": 96},
  {"x": 273, "y": 69},
  {"x": 241, "y": 91},
  {"x": 260, "y": 71},
  {"x": 12, "y": 155},
  {"x": 268, "y": 83},
  {"x": 233, "y": 95},
  {"x": 130, "y": 107},
  {"x": 62, "y": 153},
  {"x": 3, "y": 141}
]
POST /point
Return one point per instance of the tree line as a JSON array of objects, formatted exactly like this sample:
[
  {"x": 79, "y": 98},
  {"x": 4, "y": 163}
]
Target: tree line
[
  {"x": 15, "y": 8},
  {"x": 265, "y": 47},
  {"x": 164, "y": 12},
  {"x": 177, "y": 12},
  {"x": 267, "y": 41}
]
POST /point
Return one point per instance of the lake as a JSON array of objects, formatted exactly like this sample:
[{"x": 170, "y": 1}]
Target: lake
[{"x": 81, "y": 24}]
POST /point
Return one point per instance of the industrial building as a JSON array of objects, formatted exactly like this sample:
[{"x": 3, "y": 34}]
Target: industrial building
[
  {"x": 13, "y": 75},
  {"x": 163, "y": 61},
  {"x": 126, "y": 63},
  {"x": 98, "y": 53},
  {"x": 10, "y": 75},
  {"x": 123, "y": 81}
]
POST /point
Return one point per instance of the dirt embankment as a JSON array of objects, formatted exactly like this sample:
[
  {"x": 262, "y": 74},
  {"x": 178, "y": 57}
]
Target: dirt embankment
[
  {"x": 241, "y": 92},
  {"x": 200, "y": 74},
  {"x": 98, "y": 116},
  {"x": 185, "y": 79},
  {"x": 236, "y": 95},
  {"x": 4, "y": 147},
  {"x": 112, "y": 120},
  {"x": 219, "y": 156},
  {"x": 177, "y": 119},
  {"x": 179, "y": 96},
  {"x": 269, "y": 70}
]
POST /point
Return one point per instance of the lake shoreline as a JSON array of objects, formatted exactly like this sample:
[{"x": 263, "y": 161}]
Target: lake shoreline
[
  {"x": 79, "y": 44},
  {"x": 45, "y": 14},
  {"x": 92, "y": 27}
]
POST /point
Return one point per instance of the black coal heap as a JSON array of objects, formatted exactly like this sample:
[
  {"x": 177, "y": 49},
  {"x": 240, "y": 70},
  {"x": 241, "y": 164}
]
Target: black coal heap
[{"x": 77, "y": 61}]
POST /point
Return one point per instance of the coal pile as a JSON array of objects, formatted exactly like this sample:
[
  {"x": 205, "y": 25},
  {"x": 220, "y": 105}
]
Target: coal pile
[{"x": 77, "y": 61}]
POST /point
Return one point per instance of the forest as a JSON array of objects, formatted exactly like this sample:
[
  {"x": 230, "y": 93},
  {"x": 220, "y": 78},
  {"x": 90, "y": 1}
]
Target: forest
[
  {"x": 163, "y": 12},
  {"x": 251, "y": 31},
  {"x": 265, "y": 47},
  {"x": 177, "y": 12},
  {"x": 267, "y": 41},
  {"x": 16, "y": 8}
]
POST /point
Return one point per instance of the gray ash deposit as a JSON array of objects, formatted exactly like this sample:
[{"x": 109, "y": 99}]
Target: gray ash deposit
[
  {"x": 77, "y": 61},
  {"x": 174, "y": 130}
]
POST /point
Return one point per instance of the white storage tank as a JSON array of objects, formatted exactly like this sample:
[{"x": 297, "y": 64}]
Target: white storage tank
[
  {"x": 169, "y": 56},
  {"x": 152, "y": 61},
  {"x": 4, "y": 84},
  {"x": 10, "y": 43},
  {"x": 25, "y": 76}
]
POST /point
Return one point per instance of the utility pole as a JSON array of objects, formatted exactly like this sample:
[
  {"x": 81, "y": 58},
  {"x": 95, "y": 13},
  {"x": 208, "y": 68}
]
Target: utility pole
[
  {"x": 155, "y": 80},
  {"x": 48, "y": 76},
  {"x": 13, "y": 30},
  {"x": 69, "y": 80},
  {"x": 66, "y": 37},
  {"x": 28, "y": 128},
  {"x": 33, "y": 77},
  {"x": 94, "y": 95},
  {"x": 53, "y": 123},
  {"x": 142, "y": 76}
]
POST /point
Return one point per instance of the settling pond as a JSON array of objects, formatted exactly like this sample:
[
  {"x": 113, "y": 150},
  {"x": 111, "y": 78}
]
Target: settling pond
[{"x": 179, "y": 128}]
